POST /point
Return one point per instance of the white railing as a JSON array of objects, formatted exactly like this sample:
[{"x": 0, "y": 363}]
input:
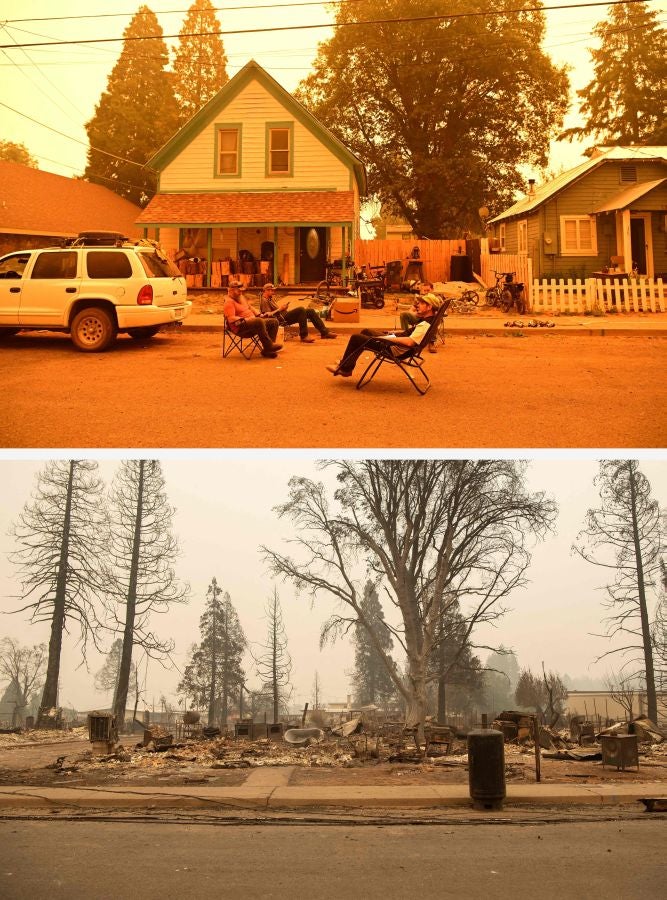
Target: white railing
[{"x": 598, "y": 295}]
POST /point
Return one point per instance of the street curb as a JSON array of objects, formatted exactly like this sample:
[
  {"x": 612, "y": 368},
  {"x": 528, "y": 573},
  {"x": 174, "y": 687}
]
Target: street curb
[{"x": 344, "y": 796}]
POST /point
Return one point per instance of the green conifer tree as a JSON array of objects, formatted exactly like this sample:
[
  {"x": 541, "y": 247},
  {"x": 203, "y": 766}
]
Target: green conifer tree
[
  {"x": 625, "y": 101},
  {"x": 372, "y": 681},
  {"x": 200, "y": 66},
  {"x": 136, "y": 114}
]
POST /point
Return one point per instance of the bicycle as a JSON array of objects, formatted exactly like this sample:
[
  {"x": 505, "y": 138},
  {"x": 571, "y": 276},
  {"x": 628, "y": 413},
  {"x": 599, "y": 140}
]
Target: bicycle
[
  {"x": 465, "y": 304},
  {"x": 334, "y": 278},
  {"x": 506, "y": 292}
]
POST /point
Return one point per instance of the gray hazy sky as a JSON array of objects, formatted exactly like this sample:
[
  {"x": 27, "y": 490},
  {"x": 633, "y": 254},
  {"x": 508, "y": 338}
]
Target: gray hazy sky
[
  {"x": 59, "y": 86},
  {"x": 224, "y": 512}
]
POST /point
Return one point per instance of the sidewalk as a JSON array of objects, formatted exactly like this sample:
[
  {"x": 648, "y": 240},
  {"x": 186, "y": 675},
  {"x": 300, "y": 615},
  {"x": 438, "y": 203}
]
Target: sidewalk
[
  {"x": 269, "y": 789},
  {"x": 487, "y": 323}
]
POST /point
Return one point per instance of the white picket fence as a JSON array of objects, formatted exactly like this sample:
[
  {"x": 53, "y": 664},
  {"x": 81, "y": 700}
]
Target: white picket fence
[{"x": 598, "y": 295}]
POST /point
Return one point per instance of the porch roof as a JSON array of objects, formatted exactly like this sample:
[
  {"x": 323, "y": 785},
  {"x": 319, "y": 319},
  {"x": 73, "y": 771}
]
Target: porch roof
[
  {"x": 628, "y": 195},
  {"x": 279, "y": 208}
]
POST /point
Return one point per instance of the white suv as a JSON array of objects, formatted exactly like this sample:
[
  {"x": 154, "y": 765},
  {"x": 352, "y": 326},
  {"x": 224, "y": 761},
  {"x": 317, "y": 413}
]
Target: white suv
[{"x": 91, "y": 292}]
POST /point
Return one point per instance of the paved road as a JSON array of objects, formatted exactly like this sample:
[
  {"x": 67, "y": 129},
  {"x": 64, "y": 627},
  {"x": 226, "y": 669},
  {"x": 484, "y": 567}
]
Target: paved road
[
  {"x": 497, "y": 391},
  {"x": 114, "y": 860}
]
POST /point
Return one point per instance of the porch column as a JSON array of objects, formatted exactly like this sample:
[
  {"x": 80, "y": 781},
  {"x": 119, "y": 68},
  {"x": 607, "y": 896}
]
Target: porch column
[
  {"x": 343, "y": 255},
  {"x": 274, "y": 274},
  {"x": 209, "y": 255},
  {"x": 624, "y": 239}
]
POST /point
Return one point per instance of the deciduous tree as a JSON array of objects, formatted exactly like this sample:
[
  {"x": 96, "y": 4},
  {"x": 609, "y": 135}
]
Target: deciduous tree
[
  {"x": 214, "y": 672},
  {"x": 443, "y": 113},
  {"x": 625, "y": 534},
  {"x": 59, "y": 548},
  {"x": 17, "y": 153},
  {"x": 431, "y": 529},
  {"x": 200, "y": 65},
  {"x": 138, "y": 577},
  {"x": 454, "y": 662},
  {"x": 625, "y": 101},
  {"x": 23, "y": 668},
  {"x": 136, "y": 114}
]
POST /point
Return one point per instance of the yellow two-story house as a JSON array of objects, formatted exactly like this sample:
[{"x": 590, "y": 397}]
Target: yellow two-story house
[{"x": 254, "y": 183}]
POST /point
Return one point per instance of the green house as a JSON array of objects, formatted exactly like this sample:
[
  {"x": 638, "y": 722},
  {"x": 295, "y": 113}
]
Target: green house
[{"x": 607, "y": 215}]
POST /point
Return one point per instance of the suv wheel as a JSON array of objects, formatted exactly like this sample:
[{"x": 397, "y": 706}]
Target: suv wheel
[
  {"x": 93, "y": 330},
  {"x": 140, "y": 334}
]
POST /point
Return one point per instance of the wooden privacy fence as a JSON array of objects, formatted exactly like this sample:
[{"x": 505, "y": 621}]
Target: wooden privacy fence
[
  {"x": 598, "y": 295},
  {"x": 435, "y": 255},
  {"x": 508, "y": 262}
]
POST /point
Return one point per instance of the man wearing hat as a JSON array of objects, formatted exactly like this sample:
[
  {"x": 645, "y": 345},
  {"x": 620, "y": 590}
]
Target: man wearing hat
[
  {"x": 299, "y": 315},
  {"x": 410, "y": 319},
  {"x": 242, "y": 319},
  {"x": 426, "y": 306}
]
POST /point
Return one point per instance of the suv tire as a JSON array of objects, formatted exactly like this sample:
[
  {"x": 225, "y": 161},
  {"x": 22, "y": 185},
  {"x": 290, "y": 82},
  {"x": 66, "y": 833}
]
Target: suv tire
[
  {"x": 93, "y": 330},
  {"x": 141, "y": 334}
]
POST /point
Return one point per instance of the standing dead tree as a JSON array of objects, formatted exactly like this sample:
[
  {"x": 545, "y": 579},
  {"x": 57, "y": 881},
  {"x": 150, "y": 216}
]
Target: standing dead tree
[
  {"x": 23, "y": 668},
  {"x": 138, "y": 576},
  {"x": 59, "y": 549},
  {"x": 626, "y": 535},
  {"x": 274, "y": 664},
  {"x": 435, "y": 531}
]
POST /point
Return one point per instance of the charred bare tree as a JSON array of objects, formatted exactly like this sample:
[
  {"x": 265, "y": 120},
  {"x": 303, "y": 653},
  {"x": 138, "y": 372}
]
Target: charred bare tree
[
  {"x": 59, "y": 548},
  {"x": 453, "y": 659},
  {"x": 626, "y": 535},
  {"x": 138, "y": 577},
  {"x": 624, "y": 692},
  {"x": 274, "y": 664},
  {"x": 432, "y": 530},
  {"x": 23, "y": 668}
]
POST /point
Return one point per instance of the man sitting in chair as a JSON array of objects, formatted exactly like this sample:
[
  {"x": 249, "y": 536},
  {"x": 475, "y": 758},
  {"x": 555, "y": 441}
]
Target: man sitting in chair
[
  {"x": 242, "y": 319},
  {"x": 285, "y": 316},
  {"x": 409, "y": 319},
  {"x": 369, "y": 338}
]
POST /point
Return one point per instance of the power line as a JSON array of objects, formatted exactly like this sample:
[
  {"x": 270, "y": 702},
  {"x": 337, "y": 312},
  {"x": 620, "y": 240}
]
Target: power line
[{"x": 390, "y": 21}]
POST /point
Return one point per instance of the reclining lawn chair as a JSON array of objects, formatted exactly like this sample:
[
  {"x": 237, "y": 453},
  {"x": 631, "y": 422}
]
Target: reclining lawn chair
[
  {"x": 409, "y": 360},
  {"x": 245, "y": 345}
]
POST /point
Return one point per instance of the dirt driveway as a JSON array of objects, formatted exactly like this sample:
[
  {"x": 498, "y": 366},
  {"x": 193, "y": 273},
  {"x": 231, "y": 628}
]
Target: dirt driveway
[{"x": 542, "y": 390}]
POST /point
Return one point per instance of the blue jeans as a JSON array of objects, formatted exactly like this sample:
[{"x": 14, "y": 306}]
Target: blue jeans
[{"x": 301, "y": 316}]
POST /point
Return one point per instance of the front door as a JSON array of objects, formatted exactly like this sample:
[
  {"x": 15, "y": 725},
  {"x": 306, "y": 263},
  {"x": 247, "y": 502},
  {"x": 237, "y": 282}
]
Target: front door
[
  {"x": 312, "y": 253},
  {"x": 638, "y": 243}
]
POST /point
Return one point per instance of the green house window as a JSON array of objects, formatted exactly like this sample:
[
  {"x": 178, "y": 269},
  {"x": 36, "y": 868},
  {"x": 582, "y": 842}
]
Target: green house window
[
  {"x": 279, "y": 151},
  {"x": 228, "y": 151}
]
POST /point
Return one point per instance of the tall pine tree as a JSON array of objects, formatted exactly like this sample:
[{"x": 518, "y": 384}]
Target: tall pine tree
[
  {"x": 200, "y": 65},
  {"x": 625, "y": 101},
  {"x": 372, "y": 681},
  {"x": 136, "y": 114},
  {"x": 214, "y": 673}
]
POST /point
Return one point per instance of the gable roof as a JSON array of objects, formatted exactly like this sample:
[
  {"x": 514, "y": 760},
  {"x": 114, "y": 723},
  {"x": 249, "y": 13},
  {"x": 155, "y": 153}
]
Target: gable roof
[
  {"x": 629, "y": 195},
  {"x": 41, "y": 203},
  {"x": 248, "y": 208},
  {"x": 207, "y": 114},
  {"x": 600, "y": 155}
]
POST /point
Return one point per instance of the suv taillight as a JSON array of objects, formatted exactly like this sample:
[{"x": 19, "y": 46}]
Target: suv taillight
[{"x": 145, "y": 295}]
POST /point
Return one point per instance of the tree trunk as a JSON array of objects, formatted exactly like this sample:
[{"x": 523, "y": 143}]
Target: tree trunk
[
  {"x": 651, "y": 698},
  {"x": 50, "y": 692},
  {"x": 120, "y": 700},
  {"x": 214, "y": 666}
]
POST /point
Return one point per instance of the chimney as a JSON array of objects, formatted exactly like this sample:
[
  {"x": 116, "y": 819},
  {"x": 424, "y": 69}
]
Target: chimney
[{"x": 531, "y": 187}]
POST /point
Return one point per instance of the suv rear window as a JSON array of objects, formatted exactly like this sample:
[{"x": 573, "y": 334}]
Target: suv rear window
[
  {"x": 158, "y": 266},
  {"x": 55, "y": 265},
  {"x": 107, "y": 264}
]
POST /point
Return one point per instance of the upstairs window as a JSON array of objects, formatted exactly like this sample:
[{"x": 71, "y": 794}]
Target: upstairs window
[
  {"x": 228, "y": 151},
  {"x": 279, "y": 139},
  {"x": 578, "y": 236}
]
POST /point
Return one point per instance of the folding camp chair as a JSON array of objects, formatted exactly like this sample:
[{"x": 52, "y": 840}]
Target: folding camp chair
[
  {"x": 246, "y": 345},
  {"x": 408, "y": 360}
]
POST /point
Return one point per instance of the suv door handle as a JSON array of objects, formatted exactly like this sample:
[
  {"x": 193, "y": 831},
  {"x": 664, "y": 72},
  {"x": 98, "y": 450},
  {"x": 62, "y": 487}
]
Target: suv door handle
[
  {"x": 15, "y": 290},
  {"x": 70, "y": 290}
]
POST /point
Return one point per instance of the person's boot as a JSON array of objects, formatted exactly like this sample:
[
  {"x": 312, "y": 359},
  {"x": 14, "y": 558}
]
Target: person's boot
[
  {"x": 327, "y": 335},
  {"x": 307, "y": 340}
]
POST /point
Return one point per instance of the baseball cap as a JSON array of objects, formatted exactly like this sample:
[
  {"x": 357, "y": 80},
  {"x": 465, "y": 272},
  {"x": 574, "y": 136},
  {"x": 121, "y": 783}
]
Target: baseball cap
[
  {"x": 269, "y": 284},
  {"x": 235, "y": 283}
]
